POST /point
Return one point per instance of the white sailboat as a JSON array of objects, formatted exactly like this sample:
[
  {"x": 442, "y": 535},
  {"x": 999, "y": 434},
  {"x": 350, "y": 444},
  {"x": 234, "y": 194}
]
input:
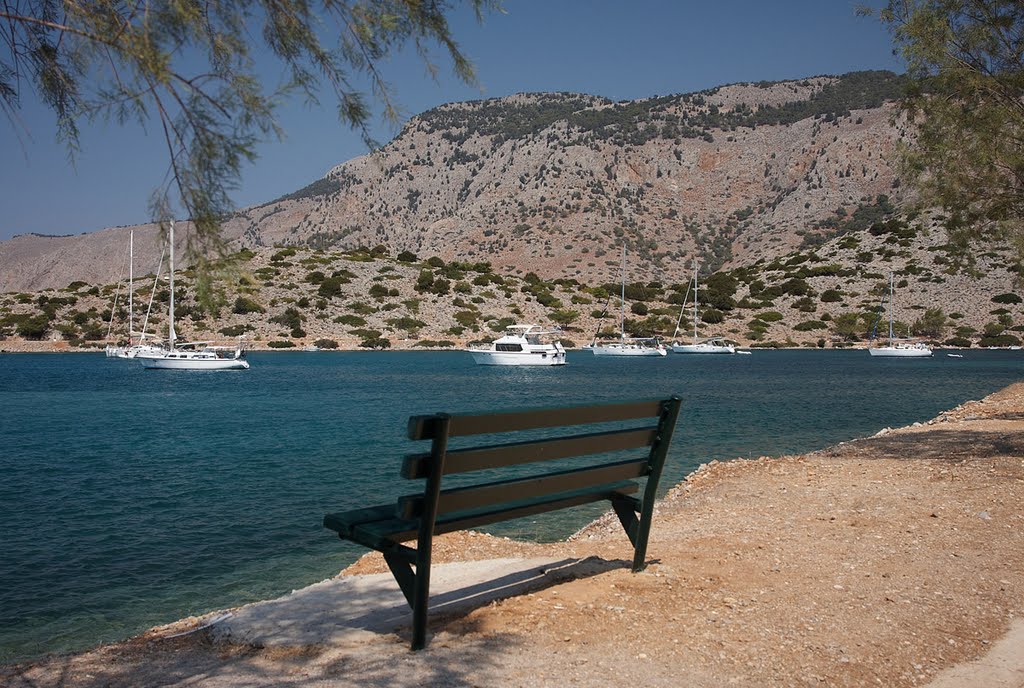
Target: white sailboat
[
  {"x": 521, "y": 345},
  {"x": 627, "y": 346},
  {"x": 187, "y": 356},
  {"x": 133, "y": 348},
  {"x": 711, "y": 345},
  {"x": 114, "y": 350},
  {"x": 899, "y": 348}
]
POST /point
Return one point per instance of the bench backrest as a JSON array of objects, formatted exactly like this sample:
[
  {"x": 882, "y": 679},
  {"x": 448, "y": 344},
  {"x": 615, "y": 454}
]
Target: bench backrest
[{"x": 491, "y": 501}]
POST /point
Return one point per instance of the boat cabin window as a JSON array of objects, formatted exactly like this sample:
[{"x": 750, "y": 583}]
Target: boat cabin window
[{"x": 508, "y": 347}]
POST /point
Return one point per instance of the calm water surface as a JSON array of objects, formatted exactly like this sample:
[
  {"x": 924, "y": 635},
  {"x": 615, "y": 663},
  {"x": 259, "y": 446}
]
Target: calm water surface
[{"x": 132, "y": 497}]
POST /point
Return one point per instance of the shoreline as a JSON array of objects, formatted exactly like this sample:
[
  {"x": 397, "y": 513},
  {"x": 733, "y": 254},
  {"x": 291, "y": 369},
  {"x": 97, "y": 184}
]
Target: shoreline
[
  {"x": 891, "y": 557},
  {"x": 61, "y": 347}
]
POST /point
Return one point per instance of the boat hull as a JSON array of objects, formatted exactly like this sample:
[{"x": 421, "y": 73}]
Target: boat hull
[
  {"x": 164, "y": 363},
  {"x": 702, "y": 349},
  {"x": 517, "y": 358},
  {"x": 617, "y": 350},
  {"x": 899, "y": 352}
]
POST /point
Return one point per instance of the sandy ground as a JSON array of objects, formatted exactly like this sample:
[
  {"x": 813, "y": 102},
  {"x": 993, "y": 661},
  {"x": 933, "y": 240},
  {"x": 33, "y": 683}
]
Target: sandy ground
[{"x": 894, "y": 560}]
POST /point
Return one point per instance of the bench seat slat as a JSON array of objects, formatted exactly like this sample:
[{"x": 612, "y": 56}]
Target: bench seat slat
[
  {"x": 344, "y": 521},
  {"x": 385, "y": 533},
  {"x": 536, "y": 486},
  {"x": 425, "y": 427},
  {"x": 515, "y": 453}
]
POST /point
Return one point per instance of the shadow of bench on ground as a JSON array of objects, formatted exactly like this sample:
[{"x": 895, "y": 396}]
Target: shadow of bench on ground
[{"x": 366, "y": 608}]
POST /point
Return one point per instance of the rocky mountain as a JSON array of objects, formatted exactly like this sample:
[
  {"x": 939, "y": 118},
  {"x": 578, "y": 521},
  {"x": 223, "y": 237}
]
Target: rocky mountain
[{"x": 556, "y": 183}]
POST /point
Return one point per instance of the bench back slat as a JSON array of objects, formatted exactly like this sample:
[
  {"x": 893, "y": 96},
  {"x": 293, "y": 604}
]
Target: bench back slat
[
  {"x": 427, "y": 427},
  {"x": 518, "y": 489},
  {"x": 515, "y": 453}
]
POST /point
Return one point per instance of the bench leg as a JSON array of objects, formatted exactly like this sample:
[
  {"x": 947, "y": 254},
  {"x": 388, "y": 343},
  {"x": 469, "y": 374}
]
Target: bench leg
[
  {"x": 659, "y": 451},
  {"x": 425, "y": 539},
  {"x": 403, "y": 573},
  {"x": 419, "y": 607},
  {"x": 625, "y": 509},
  {"x": 640, "y": 544},
  {"x": 412, "y": 574}
]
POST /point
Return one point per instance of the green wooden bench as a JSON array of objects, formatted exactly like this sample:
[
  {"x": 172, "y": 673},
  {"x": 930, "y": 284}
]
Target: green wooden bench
[{"x": 434, "y": 510}]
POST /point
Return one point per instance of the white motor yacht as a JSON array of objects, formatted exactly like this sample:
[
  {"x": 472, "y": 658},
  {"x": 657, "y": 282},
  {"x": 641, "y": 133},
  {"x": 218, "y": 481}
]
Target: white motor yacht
[{"x": 521, "y": 345}]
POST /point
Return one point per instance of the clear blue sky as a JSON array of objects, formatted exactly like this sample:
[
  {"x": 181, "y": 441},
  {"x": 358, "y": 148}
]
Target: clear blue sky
[{"x": 614, "y": 48}]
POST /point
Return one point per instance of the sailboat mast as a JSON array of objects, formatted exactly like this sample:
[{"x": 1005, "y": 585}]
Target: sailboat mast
[
  {"x": 171, "y": 336},
  {"x": 694, "y": 300},
  {"x": 890, "y": 306},
  {"x": 622, "y": 318},
  {"x": 131, "y": 276}
]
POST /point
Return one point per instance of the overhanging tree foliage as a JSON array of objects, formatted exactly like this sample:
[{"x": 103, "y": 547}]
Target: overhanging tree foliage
[
  {"x": 966, "y": 63},
  {"x": 190, "y": 67}
]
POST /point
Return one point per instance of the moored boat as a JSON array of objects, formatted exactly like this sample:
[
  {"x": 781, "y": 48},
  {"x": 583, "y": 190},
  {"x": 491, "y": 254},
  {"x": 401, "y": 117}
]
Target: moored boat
[
  {"x": 208, "y": 358},
  {"x": 630, "y": 346},
  {"x": 521, "y": 345},
  {"x": 899, "y": 348},
  {"x": 187, "y": 356},
  {"x": 627, "y": 346},
  {"x": 711, "y": 345},
  {"x": 902, "y": 349}
]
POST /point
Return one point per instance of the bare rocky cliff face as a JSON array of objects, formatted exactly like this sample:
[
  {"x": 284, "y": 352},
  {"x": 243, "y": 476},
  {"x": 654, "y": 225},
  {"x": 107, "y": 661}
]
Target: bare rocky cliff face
[{"x": 556, "y": 183}]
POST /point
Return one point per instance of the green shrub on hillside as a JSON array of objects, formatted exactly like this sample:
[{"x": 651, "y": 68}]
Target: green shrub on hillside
[
  {"x": 960, "y": 342},
  {"x": 831, "y": 296},
  {"x": 282, "y": 254},
  {"x": 235, "y": 330},
  {"x": 806, "y": 305},
  {"x": 712, "y": 316},
  {"x": 331, "y": 287},
  {"x": 375, "y": 343},
  {"x": 244, "y": 305},
  {"x": 378, "y": 291},
  {"x": 361, "y": 308},
  {"x": 999, "y": 340},
  {"x": 410, "y": 325},
  {"x": 32, "y": 327}
]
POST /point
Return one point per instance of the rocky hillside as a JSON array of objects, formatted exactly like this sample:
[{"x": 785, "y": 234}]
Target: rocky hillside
[
  {"x": 555, "y": 183},
  {"x": 516, "y": 209},
  {"x": 828, "y": 296}
]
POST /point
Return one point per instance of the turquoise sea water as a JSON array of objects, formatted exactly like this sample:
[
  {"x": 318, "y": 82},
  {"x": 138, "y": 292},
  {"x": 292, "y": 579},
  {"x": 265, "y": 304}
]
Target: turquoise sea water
[{"x": 132, "y": 497}]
